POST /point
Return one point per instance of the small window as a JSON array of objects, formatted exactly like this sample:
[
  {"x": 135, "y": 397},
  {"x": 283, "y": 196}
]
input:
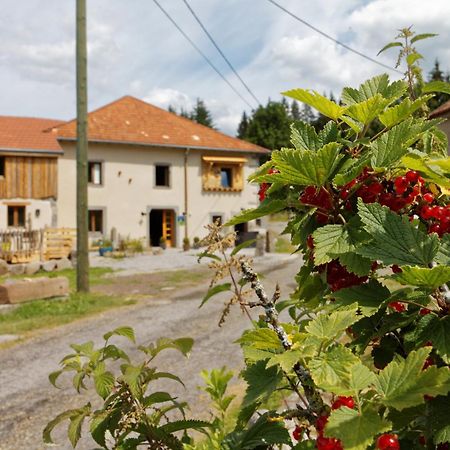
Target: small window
[
  {"x": 217, "y": 219},
  {"x": 2, "y": 166},
  {"x": 162, "y": 176},
  {"x": 226, "y": 177},
  {"x": 95, "y": 221},
  {"x": 16, "y": 216},
  {"x": 95, "y": 173}
]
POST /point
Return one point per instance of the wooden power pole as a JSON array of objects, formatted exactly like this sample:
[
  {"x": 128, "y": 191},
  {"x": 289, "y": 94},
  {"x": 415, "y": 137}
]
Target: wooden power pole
[{"x": 82, "y": 150}]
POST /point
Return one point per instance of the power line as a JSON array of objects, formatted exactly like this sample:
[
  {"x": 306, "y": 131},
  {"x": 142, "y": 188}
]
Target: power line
[
  {"x": 304, "y": 22},
  {"x": 201, "y": 53},
  {"x": 221, "y": 52}
]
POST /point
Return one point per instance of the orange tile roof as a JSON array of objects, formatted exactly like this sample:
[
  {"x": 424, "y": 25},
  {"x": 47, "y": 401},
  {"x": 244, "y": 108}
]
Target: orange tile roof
[
  {"x": 28, "y": 134},
  {"x": 130, "y": 120},
  {"x": 443, "y": 109}
]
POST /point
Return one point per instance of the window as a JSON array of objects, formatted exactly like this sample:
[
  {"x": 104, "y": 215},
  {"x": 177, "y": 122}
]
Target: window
[
  {"x": 162, "y": 175},
  {"x": 95, "y": 221},
  {"x": 217, "y": 219},
  {"x": 95, "y": 173},
  {"x": 2, "y": 166},
  {"x": 16, "y": 216},
  {"x": 226, "y": 177}
]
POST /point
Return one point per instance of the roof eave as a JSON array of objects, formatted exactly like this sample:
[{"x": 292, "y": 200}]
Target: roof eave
[
  {"x": 29, "y": 150},
  {"x": 189, "y": 147}
]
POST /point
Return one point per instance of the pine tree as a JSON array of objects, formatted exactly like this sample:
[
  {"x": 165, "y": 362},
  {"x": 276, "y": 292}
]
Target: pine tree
[
  {"x": 440, "y": 98},
  {"x": 307, "y": 114},
  {"x": 295, "y": 110},
  {"x": 172, "y": 109},
  {"x": 201, "y": 114},
  {"x": 243, "y": 126}
]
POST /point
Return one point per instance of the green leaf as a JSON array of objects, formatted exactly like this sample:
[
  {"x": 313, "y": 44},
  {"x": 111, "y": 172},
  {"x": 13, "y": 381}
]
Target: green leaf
[
  {"x": 205, "y": 254},
  {"x": 443, "y": 254},
  {"x": 304, "y": 136},
  {"x": 214, "y": 291},
  {"x": 351, "y": 168},
  {"x": 244, "y": 244},
  {"x": 302, "y": 167},
  {"x": 366, "y": 111},
  {"x": 390, "y": 45},
  {"x": 339, "y": 371},
  {"x": 265, "y": 208},
  {"x": 368, "y": 296},
  {"x": 356, "y": 263},
  {"x": 261, "y": 338},
  {"x": 395, "y": 239},
  {"x": 437, "y": 419},
  {"x": 396, "y": 114},
  {"x": 403, "y": 383},
  {"x": 286, "y": 360},
  {"x": 429, "y": 168},
  {"x": 419, "y": 37},
  {"x": 262, "y": 382},
  {"x": 437, "y": 330},
  {"x": 76, "y": 422},
  {"x": 104, "y": 382},
  {"x": 179, "y": 425},
  {"x": 412, "y": 58},
  {"x": 329, "y": 133},
  {"x": 131, "y": 376},
  {"x": 330, "y": 326},
  {"x": 263, "y": 433},
  {"x": 54, "y": 376},
  {"x": 157, "y": 397},
  {"x": 322, "y": 104},
  {"x": 437, "y": 86},
  {"x": 127, "y": 332},
  {"x": 423, "y": 276},
  {"x": 355, "y": 430}
]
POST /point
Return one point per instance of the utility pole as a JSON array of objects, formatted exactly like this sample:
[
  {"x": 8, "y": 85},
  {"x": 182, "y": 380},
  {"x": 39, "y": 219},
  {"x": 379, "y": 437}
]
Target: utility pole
[{"x": 82, "y": 150}]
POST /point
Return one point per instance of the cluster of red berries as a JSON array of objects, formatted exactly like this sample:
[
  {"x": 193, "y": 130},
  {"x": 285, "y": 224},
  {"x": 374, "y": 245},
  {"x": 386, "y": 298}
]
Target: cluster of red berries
[
  {"x": 319, "y": 198},
  {"x": 388, "y": 442},
  {"x": 338, "y": 277},
  {"x": 322, "y": 442},
  {"x": 437, "y": 217},
  {"x": 263, "y": 187}
]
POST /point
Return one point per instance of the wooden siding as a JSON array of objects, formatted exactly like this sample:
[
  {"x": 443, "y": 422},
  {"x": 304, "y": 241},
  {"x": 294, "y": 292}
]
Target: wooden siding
[{"x": 29, "y": 177}]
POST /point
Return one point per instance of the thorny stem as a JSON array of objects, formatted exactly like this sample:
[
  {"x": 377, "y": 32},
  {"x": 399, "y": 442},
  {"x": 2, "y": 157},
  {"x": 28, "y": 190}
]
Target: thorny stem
[{"x": 315, "y": 402}]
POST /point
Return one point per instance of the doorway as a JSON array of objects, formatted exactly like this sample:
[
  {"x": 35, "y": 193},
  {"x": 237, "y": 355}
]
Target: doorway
[{"x": 162, "y": 225}]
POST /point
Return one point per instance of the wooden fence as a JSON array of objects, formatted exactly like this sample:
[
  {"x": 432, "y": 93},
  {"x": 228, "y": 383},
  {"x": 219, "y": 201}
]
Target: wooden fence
[{"x": 21, "y": 246}]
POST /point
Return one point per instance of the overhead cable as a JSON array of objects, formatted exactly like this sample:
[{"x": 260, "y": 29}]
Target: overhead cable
[
  {"x": 201, "y": 53},
  {"x": 304, "y": 22},
  {"x": 221, "y": 52}
]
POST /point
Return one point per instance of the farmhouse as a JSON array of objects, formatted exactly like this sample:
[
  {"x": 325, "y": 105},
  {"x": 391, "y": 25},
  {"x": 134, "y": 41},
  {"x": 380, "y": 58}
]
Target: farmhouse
[
  {"x": 443, "y": 112},
  {"x": 152, "y": 174}
]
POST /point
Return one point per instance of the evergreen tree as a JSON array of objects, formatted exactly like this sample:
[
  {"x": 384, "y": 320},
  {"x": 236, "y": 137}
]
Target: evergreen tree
[
  {"x": 172, "y": 109},
  {"x": 436, "y": 74},
  {"x": 201, "y": 114},
  {"x": 243, "y": 126},
  {"x": 307, "y": 114},
  {"x": 295, "y": 110}
]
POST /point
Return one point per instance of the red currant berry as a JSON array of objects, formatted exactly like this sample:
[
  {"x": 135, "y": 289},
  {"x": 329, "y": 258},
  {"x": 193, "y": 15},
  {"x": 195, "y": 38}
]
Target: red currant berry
[
  {"x": 438, "y": 212},
  {"x": 324, "y": 443},
  {"x": 344, "y": 194},
  {"x": 297, "y": 433},
  {"x": 428, "y": 362},
  {"x": 397, "y": 306},
  {"x": 424, "y": 311},
  {"x": 426, "y": 212},
  {"x": 412, "y": 176},
  {"x": 420, "y": 180},
  {"x": 375, "y": 188},
  {"x": 396, "y": 269},
  {"x": 343, "y": 401},
  {"x": 422, "y": 440},
  {"x": 400, "y": 185},
  {"x": 310, "y": 242},
  {"x": 262, "y": 191},
  {"x": 388, "y": 442},
  {"x": 428, "y": 197},
  {"x": 436, "y": 228},
  {"x": 320, "y": 424}
]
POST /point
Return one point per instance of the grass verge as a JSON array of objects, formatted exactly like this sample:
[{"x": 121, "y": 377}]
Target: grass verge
[{"x": 49, "y": 313}]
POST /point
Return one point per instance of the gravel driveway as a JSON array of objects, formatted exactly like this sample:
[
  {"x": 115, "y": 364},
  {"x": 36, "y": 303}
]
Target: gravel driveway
[{"x": 28, "y": 402}]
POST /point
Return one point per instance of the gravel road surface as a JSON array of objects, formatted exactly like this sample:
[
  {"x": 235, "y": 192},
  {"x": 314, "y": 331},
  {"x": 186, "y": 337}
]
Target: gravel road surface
[{"x": 28, "y": 401}]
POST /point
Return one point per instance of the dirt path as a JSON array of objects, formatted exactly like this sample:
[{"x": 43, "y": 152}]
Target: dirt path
[{"x": 28, "y": 402}]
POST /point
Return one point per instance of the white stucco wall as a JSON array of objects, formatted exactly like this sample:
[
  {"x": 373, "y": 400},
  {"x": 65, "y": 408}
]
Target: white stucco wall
[
  {"x": 41, "y": 213},
  {"x": 445, "y": 127},
  {"x": 128, "y": 192}
]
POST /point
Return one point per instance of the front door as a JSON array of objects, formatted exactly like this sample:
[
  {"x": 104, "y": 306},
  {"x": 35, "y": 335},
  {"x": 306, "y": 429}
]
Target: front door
[
  {"x": 168, "y": 231},
  {"x": 162, "y": 227}
]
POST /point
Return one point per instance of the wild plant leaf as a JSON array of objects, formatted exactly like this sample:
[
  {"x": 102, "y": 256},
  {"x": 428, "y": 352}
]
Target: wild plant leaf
[
  {"x": 304, "y": 136},
  {"x": 260, "y": 338},
  {"x": 421, "y": 36},
  {"x": 261, "y": 381},
  {"x": 329, "y": 133},
  {"x": 86, "y": 349},
  {"x": 54, "y": 376},
  {"x": 267, "y": 207},
  {"x": 132, "y": 377},
  {"x": 264, "y": 432},
  {"x": 304, "y": 167},
  {"x": 157, "y": 397},
  {"x": 322, "y": 104},
  {"x": 214, "y": 291},
  {"x": 103, "y": 380},
  {"x": 390, "y": 45},
  {"x": 403, "y": 382},
  {"x": 330, "y": 326},
  {"x": 437, "y": 419},
  {"x": 287, "y": 360},
  {"x": 437, "y": 86},
  {"x": 423, "y": 276},
  {"x": 355, "y": 263},
  {"x": 366, "y": 111},
  {"x": 355, "y": 430},
  {"x": 113, "y": 352},
  {"x": 101, "y": 422},
  {"x": 252, "y": 354},
  {"x": 437, "y": 330},
  {"x": 412, "y": 58},
  {"x": 76, "y": 423},
  {"x": 368, "y": 296},
  {"x": 350, "y": 169},
  {"x": 395, "y": 239},
  {"x": 242, "y": 245},
  {"x": 127, "y": 332},
  {"x": 339, "y": 371},
  {"x": 398, "y": 113}
]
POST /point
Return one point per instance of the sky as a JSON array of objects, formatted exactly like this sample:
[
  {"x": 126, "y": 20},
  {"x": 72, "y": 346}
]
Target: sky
[{"x": 133, "y": 49}]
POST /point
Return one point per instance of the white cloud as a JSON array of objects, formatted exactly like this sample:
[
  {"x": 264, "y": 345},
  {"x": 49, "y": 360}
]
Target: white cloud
[{"x": 165, "y": 97}]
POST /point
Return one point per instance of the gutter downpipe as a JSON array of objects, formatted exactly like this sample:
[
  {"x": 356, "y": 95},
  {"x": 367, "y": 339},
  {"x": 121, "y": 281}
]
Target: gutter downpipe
[{"x": 186, "y": 203}]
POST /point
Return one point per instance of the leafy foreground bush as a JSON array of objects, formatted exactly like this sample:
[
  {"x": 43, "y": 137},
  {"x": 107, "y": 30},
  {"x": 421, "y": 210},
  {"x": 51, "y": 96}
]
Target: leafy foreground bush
[{"x": 363, "y": 346}]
